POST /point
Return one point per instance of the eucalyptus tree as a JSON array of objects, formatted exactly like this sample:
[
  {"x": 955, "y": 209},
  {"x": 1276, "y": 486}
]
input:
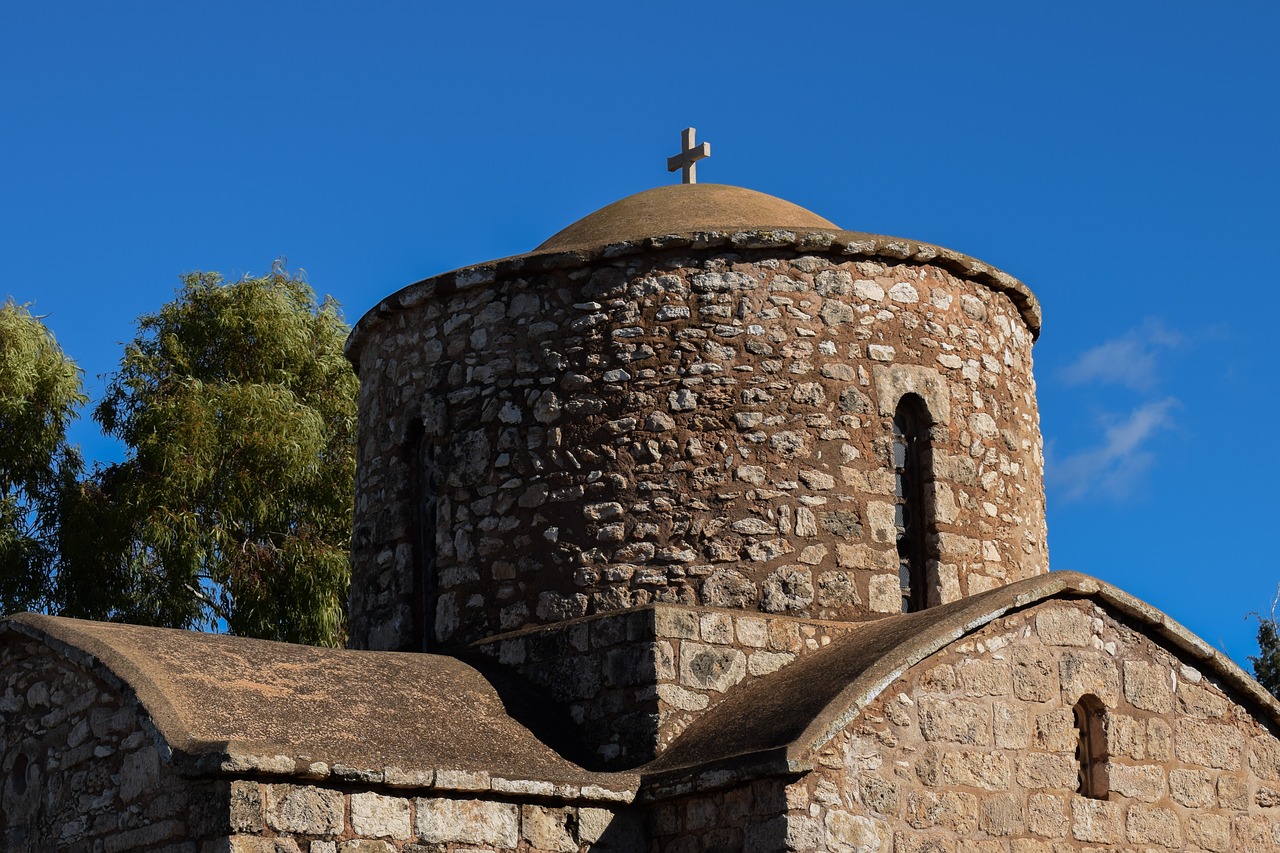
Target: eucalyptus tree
[
  {"x": 232, "y": 509},
  {"x": 40, "y": 393},
  {"x": 1266, "y": 665}
]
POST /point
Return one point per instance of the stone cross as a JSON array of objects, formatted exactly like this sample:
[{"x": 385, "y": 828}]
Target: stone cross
[{"x": 687, "y": 159}]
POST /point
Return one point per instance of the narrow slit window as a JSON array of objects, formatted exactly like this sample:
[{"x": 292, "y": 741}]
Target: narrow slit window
[
  {"x": 424, "y": 505},
  {"x": 910, "y": 468},
  {"x": 1091, "y": 748}
]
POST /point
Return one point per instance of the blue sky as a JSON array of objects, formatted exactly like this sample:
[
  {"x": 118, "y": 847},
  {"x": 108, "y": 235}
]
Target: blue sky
[{"x": 1117, "y": 157}]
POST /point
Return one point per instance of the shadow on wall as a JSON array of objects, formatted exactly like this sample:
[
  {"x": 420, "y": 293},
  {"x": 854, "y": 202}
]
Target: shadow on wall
[
  {"x": 624, "y": 834},
  {"x": 529, "y": 703},
  {"x": 751, "y": 817},
  {"x": 594, "y": 674}
]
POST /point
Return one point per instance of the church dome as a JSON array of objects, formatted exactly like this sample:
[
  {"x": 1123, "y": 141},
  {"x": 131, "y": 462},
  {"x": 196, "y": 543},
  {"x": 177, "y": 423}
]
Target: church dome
[{"x": 685, "y": 209}]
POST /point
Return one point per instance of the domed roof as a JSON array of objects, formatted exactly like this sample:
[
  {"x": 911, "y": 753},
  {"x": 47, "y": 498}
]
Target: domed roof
[
  {"x": 722, "y": 214},
  {"x": 684, "y": 209}
]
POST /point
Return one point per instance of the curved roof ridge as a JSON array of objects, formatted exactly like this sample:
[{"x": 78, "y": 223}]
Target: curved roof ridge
[
  {"x": 223, "y": 704},
  {"x": 785, "y": 719}
]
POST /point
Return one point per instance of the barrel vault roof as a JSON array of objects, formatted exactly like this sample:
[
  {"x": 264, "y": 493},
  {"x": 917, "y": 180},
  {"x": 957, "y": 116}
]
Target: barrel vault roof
[{"x": 231, "y": 704}]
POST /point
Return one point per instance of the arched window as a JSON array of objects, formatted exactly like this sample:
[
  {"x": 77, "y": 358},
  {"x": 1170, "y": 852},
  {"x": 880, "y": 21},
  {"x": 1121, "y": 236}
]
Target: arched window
[
  {"x": 1091, "y": 748},
  {"x": 423, "y": 505},
  {"x": 910, "y": 470}
]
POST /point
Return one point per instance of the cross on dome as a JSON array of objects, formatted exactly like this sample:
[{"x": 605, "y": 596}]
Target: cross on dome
[{"x": 688, "y": 157}]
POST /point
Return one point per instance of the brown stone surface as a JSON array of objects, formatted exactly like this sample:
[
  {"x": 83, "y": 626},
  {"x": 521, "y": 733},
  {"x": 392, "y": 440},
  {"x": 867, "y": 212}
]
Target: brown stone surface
[
  {"x": 682, "y": 209},
  {"x": 238, "y": 704}
]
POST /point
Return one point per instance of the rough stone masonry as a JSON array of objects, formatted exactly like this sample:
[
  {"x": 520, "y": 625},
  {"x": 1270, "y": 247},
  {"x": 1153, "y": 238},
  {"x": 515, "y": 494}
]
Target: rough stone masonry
[{"x": 700, "y": 424}]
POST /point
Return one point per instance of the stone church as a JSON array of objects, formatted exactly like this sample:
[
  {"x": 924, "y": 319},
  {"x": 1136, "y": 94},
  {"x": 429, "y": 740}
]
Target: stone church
[{"x": 707, "y": 525}]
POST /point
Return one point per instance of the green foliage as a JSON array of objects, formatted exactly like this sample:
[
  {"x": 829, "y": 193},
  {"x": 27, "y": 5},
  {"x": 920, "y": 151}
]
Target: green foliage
[
  {"x": 40, "y": 393},
  {"x": 1266, "y": 666},
  {"x": 234, "y": 505}
]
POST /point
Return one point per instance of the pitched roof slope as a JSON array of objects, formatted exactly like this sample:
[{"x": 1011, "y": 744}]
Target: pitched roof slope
[{"x": 228, "y": 704}]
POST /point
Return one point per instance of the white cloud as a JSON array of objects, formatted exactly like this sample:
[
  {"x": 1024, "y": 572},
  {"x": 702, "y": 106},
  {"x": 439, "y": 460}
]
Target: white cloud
[
  {"x": 1128, "y": 360},
  {"x": 1113, "y": 468}
]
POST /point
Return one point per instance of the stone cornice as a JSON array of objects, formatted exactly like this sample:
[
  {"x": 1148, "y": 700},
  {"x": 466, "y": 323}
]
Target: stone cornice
[{"x": 836, "y": 245}]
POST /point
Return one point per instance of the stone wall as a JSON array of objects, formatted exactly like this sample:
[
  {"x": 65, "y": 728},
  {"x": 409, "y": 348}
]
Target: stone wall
[
  {"x": 700, "y": 427},
  {"x": 973, "y": 751},
  {"x": 83, "y": 772},
  {"x": 289, "y": 818},
  {"x": 633, "y": 681}
]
